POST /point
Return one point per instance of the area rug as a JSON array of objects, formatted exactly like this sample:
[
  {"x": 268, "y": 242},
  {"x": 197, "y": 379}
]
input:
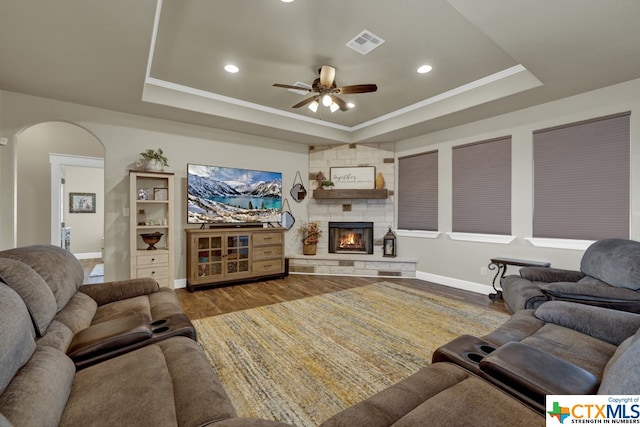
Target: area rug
[{"x": 302, "y": 361}]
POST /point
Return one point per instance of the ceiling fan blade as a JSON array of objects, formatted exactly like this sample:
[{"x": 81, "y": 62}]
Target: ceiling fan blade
[
  {"x": 357, "y": 89},
  {"x": 327, "y": 75},
  {"x": 292, "y": 87},
  {"x": 341, "y": 103},
  {"x": 305, "y": 102}
]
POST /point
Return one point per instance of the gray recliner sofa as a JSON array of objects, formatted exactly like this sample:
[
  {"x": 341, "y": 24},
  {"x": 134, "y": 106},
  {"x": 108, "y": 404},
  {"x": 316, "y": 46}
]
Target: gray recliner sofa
[
  {"x": 562, "y": 348},
  {"x": 609, "y": 276},
  {"x": 145, "y": 366}
]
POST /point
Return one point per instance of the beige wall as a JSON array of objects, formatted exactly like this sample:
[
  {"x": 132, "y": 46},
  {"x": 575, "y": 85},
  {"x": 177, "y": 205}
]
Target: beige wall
[
  {"x": 441, "y": 259},
  {"x": 87, "y": 229},
  {"x": 460, "y": 262},
  {"x": 33, "y": 147},
  {"x": 124, "y": 136}
]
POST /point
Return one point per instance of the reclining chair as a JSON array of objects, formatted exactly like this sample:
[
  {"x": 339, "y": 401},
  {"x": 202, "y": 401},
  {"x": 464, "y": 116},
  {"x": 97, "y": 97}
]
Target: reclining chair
[{"x": 609, "y": 277}]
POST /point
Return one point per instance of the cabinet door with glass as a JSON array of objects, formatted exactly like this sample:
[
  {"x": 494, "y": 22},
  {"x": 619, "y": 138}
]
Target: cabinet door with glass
[
  {"x": 209, "y": 260},
  {"x": 237, "y": 253}
]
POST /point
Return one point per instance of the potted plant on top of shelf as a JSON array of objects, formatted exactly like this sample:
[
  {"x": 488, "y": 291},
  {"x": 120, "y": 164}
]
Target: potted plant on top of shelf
[{"x": 153, "y": 160}]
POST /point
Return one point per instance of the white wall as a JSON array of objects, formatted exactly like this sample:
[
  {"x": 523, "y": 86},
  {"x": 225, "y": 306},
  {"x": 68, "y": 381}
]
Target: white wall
[
  {"x": 124, "y": 136},
  {"x": 459, "y": 262}
]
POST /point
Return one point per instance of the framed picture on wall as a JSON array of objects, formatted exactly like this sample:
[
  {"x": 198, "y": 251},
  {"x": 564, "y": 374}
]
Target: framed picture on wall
[
  {"x": 82, "y": 202},
  {"x": 160, "y": 193},
  {"x": 359, "y": 177}
]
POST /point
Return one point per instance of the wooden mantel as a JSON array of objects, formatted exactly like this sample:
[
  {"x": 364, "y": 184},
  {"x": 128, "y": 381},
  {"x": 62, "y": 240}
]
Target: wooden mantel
[{"x": 350, "y": 194}]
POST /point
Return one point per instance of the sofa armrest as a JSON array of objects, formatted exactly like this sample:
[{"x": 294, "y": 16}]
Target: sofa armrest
[
  {"x": 612, "y": 326},
  {"x": 104, "y": 337},
  {"x": 548, "y": 275},
  {"x": 536, "y": 373},
  {"x": 104, "y": 293}
]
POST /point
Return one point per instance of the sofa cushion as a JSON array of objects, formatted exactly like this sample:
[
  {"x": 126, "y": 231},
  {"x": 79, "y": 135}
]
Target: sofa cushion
[
  {"x": 37, "y": 395},
  {"x": 607, "y": 325},
  {"x": 173, "y": 384},
  {"x": 622, "y": 374},
  {"x": 16, "y": 335},
  {"x": 59, "y": 268},
  {"x": 589, "y": 290},
  {"x": 32, "y": 289},
  {"x": 587, "y": 352},
  {"x": 441, "y": 394},
  {"x": 614, "y": 261}
]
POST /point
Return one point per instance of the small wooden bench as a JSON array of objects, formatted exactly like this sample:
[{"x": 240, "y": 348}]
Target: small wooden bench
[{"x": 501, "y": 264}]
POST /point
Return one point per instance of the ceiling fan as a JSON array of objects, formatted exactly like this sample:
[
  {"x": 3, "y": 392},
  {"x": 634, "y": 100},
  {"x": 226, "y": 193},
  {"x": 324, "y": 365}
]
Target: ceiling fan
[{"x": 325, "y": 91}]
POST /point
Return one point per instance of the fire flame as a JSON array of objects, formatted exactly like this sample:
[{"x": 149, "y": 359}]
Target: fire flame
[{"x": 351, "y": 240}]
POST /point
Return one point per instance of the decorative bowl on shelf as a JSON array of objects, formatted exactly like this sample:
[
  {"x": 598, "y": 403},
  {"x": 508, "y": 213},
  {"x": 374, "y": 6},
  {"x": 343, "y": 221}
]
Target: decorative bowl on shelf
[{"x": 151, "y": 239}]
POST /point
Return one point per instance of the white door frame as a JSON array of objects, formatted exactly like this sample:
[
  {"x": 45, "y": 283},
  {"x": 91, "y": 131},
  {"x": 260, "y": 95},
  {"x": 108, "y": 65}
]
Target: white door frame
[{"x": 58, "y": 161}]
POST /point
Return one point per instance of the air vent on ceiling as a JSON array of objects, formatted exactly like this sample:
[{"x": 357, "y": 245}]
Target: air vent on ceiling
[
  {"x": 305, "y": 88},
  {"x": 365, "y": 42}
]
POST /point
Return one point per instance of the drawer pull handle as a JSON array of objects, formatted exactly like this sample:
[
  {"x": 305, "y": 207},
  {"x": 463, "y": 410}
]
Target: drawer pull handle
[
  {"x": 268, "y": 252},
  {"x": 153, "y": 273},
  {"x": 153, "y": 259}
]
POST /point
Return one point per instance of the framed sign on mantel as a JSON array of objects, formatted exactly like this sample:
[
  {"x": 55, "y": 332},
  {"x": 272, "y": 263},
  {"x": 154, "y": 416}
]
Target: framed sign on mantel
[{"x": 353, "y": 177}]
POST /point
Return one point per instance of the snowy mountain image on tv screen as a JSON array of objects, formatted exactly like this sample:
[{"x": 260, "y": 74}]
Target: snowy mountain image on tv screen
[{"x": 230, "y": 195}]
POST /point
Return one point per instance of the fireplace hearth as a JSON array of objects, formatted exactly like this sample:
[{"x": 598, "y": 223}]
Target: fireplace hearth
[{"x": 351, "y": 237}]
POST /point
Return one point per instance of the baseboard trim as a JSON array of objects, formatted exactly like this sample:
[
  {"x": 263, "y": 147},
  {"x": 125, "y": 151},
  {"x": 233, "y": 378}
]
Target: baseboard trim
[
  {"x": 427, "y": 277},
  {"x": 455, "y": 283},
  {"x": 179, "y": 283},
  {"x": 89, "y": 255}
]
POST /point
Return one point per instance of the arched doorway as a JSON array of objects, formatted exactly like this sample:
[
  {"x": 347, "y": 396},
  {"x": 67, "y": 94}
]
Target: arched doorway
[{"x": 37, "y": 205}]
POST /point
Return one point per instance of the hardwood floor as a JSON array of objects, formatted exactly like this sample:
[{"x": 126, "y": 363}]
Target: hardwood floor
[{"x": 214, "y": 301}]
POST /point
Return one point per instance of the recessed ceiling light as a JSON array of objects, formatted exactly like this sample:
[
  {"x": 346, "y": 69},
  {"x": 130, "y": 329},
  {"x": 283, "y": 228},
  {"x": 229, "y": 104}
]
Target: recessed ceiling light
[
  {"x": 230, "y": 68},
  {"x": 425, "y": 69},
  {"x": 286, "y": 1}
]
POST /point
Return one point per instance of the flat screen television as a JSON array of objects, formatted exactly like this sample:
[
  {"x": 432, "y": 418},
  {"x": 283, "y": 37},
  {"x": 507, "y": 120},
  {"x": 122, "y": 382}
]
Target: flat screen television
[{"x": 220, "y": 195}]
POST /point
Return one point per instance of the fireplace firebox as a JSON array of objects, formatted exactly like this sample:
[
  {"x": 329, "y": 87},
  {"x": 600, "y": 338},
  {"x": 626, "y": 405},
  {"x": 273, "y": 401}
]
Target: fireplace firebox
[{"x": 351, "y": 237}]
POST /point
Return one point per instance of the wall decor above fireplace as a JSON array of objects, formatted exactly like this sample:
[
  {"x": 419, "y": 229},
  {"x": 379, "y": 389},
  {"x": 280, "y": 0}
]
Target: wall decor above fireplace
[{"x": 358, "y": 177}]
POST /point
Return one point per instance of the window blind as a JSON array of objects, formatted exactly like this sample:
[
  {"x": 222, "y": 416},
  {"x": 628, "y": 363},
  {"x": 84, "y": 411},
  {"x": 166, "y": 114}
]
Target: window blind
[
  {"x": 418, "y": 192},
  {"x": 482, "y": 187},
  {"x": 582, "y": 179}
]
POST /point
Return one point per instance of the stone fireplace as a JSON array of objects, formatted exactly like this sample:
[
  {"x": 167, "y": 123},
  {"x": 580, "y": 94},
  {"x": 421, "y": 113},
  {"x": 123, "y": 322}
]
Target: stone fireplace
[
  {"x": 352, "y": 248},
  {"x": 351, "y": 237}
]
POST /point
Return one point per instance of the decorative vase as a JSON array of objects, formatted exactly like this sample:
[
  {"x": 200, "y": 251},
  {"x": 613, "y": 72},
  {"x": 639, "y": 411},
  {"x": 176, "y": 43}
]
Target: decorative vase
[
  {"x": 379, "y": 181},
  {"x": 152, "y": 165},
  {"x": 308, "y": 249}
]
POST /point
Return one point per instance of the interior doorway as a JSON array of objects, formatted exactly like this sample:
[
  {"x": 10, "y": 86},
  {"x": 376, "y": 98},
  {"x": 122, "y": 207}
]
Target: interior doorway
[
  {"x": 40, "y": 205},
  {"x": 66, "y": 172}
]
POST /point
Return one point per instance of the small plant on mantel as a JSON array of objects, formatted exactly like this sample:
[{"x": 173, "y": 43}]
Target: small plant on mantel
[{"x": 326, "y": 185}]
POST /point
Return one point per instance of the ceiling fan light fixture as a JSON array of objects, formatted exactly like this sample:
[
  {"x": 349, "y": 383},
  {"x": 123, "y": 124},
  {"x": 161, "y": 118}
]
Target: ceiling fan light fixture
[
  {"x": 351, "y": 105},
  {"x": 326, "y": 100},
  {"x": 314, "y": 106},
  {"x": 334, "y": 107}
]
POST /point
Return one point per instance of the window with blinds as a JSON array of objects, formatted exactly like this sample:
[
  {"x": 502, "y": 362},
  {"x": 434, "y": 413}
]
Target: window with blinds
[
  {"x": 582, "y": 179},
  {"x": 418, "y": 192},
  {"x": 481, "y": 181}
]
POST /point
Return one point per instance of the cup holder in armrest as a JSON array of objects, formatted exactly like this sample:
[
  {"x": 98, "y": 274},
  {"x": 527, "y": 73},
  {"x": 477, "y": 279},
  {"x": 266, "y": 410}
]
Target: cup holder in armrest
[
  {"x": 160, "y": 330},
  {"x": 473, "y": 357},
  {"x": 158, "y": 322},
  {"x": 486, "y": 348}
]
